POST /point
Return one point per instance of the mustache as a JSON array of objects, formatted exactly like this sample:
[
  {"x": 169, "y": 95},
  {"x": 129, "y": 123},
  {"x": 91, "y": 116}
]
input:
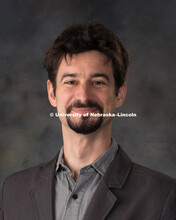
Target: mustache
[{"x": 88, "y": 104}]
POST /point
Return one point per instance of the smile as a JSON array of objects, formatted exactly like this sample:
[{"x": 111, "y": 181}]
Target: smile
[{"x": 85, "y": 110}]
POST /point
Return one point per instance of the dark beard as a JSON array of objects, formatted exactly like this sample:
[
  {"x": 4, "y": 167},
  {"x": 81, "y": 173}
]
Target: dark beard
[{"x": 84, "y": 126}]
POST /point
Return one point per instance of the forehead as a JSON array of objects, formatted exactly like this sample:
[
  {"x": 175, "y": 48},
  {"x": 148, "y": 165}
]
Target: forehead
[{"x": 89, "y": 61}]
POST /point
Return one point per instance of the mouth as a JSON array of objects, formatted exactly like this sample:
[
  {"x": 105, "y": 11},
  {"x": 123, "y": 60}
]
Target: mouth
[{"x": 85, "y": 110}]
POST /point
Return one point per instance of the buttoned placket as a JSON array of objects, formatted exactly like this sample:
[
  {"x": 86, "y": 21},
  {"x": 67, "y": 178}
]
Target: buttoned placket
[{"x": 77, "y": 190}]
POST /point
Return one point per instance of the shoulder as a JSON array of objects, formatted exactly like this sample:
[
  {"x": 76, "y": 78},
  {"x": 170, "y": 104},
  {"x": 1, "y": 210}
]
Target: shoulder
[
  {"x": 26, "y": 177},
  {"x": 133, "y": 177},
  {"x": 139, "y": 172},
  {"x": 140, "y": 189},
  {"x": 152, "y": 184},
  {"x": 157, "y": 188},
  {"x": 150, "y": 173}
]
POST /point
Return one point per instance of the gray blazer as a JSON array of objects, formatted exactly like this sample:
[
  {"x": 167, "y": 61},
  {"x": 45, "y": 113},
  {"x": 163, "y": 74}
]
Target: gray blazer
[{"x": 127, "y": 191}]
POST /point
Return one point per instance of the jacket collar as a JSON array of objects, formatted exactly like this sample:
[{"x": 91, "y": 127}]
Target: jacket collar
[
  {"x": 118, "y": 170},
  {"x": 43, "y": 191},
  {"x": 115, "y": 177}
]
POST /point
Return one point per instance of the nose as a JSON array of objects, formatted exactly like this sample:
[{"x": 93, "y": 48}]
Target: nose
[{"x": 83, "y": 92}]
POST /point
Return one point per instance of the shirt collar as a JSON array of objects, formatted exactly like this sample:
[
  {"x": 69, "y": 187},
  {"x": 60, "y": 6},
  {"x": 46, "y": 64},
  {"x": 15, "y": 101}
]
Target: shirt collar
[
  {"x": 101, "y": 164},
  {"x": 60, "y": 161}
]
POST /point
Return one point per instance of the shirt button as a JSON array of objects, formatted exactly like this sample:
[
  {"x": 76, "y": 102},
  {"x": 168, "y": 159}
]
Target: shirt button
[{"x": 74, "y": 196}]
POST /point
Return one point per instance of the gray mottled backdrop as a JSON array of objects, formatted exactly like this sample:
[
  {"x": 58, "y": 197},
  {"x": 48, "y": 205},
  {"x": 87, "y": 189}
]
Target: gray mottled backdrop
[{"x": 29, "y": 135}]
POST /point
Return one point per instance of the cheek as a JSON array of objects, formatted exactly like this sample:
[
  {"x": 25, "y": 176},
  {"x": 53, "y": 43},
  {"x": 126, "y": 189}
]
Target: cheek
[
  {"x": 62, "y": 101},
  {"x": 108, "y": 100}
]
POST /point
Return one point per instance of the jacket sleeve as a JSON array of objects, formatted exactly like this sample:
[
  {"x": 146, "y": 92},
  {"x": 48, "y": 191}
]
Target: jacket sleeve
[
  {"x": 1, "y": 202},
  {"x": 169, "y": 211}
]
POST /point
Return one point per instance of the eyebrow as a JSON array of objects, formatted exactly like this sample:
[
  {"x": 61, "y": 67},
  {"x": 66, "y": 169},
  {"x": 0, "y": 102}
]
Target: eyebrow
[
  {"x": 94, "y": 75},
  {"x": 100, "y": 75},
  {"x": 68, "y": 75}
]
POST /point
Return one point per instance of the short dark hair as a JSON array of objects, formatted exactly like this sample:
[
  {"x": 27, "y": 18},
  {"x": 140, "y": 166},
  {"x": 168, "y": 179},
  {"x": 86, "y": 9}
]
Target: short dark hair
[{"x": 78, "y": 38}]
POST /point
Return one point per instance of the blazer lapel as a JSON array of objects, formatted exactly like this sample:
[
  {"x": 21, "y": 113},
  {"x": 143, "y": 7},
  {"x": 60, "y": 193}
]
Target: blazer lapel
[
  {"x": 103, "y": 199},
  {"x": 42, "y": 193},
  {"x": 102, "y": 202}
]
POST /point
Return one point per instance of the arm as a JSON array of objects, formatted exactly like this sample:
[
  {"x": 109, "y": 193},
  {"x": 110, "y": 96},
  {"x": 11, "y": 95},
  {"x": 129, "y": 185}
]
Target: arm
[{"x": 169, "y": 211}]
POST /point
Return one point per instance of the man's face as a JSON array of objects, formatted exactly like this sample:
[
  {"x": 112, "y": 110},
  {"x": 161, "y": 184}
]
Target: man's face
[{"x": 85, "y": 85}]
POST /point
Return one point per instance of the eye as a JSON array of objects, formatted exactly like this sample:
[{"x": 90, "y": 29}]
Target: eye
[
  {"x": 98, "y": 83},
  {"x": 70, "y": 82}
]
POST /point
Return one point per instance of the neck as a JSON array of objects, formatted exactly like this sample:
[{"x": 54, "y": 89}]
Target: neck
[{"x": 82, "y": 150}]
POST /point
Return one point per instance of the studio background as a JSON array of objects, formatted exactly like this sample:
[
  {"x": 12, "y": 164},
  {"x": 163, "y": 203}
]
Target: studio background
[{"x": 28, "y": 134}]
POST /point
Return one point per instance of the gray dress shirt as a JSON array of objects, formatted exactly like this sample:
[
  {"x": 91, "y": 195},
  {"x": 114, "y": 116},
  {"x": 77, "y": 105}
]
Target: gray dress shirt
[{"x": 72, "y": 198}]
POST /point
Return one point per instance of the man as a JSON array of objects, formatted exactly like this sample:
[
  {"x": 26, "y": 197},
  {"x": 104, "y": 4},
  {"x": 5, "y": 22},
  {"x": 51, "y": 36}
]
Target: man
[{"x": 91, "y": 178}]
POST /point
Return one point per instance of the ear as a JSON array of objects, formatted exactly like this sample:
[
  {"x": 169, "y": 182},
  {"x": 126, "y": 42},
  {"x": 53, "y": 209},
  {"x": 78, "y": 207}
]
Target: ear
[
  {"x": 51, "y": 96},
  {"x": 121, "y": 95}
]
